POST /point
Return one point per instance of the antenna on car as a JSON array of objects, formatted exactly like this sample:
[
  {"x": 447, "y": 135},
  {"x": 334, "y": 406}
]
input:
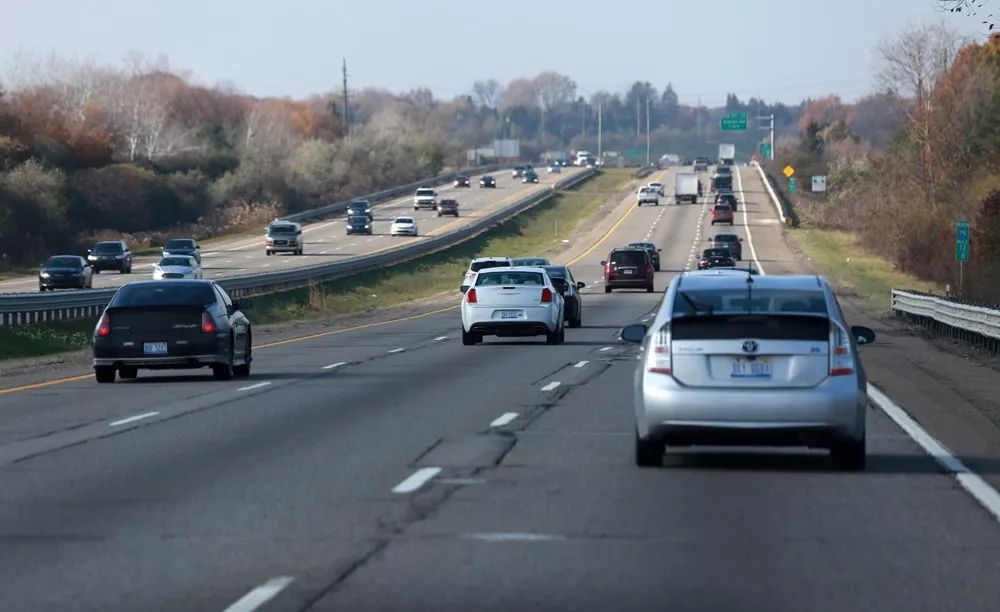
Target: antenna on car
[{"x": 749, "y": 290}]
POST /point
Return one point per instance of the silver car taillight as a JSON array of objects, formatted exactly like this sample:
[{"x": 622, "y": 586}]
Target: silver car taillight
[
  {"x": 658, "y": 358},
  {"x": 841, "y": 356}
]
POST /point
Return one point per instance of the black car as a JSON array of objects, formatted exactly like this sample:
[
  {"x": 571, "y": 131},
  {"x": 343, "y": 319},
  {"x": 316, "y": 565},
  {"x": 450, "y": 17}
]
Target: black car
[
  {"x": 562, "y": 280},
  {"x": 182, "y": 246},
  {"x": 529, "y": 176},
  {"x": 726, "y": 197},
  {"x": 654, "y": 253},
  {"x": 360, "y": 207},
  {"x": 728, "y": 241},
  {"x": 488, "y": 182},
  {"x": 359, "y": 224},
  {"x": 722, "y": 182},
  {"x": 110, "y": 255},
  {"x": 461, "y": 181},
  {"x": 715, "y": 258},
  {"x": 65, "y": 272},
  {"x": 172, "y": 324}
]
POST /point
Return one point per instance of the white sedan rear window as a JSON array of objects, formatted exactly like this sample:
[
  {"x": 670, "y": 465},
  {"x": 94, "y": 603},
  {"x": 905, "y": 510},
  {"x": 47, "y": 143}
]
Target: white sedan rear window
[{"x": 501, "y": 279}]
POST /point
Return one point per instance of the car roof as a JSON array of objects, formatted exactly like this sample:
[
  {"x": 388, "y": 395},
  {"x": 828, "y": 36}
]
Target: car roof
[
  {"x": 498, "y": 258},
  {"x": 514, "y": 268},
  {"x": 168, "y": 281},
  {"x": 736, "y": 279},
  {"x": 625, "y": 249}
]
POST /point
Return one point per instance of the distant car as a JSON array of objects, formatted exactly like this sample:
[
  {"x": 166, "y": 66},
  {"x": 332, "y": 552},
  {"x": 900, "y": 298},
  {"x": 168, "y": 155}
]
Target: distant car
[
  {"x": 517, "y": 172},
  {"x": 647, "y": 195},
  {"x": 554, "y": 168},
  {"x": 360, "y": 207},
  {"x": 779, "y": 367},
  {"x": 403, "y": 226},
  {"x": 722, "y": 213},
  {"x": 569, "y": 288},
  {"x": 726, "y": 197},
  {"x": 658, "y": 186},
  {"x": 172, "y": 324},
  {"x": 530, "y": 261},
  {"x": 447, "y": 207},
  {"x": 182, "y": 246},
  {"x": 284, "y": 237},
  {"x": 728, "y": 241},
  {"x": 700, "y": 164},
  {"x": 513, "y": 302},
  {"x": 65, "y": 272},
  {"x": 488, "y": 182},
  {"x": 359, "y": 224},
  {"x": 529, "y": 176},
  {"x": 110, "y": 255},
  {"x": 425, "y": 197},
  {"x": 719, "y": 270},
  {"x": 177, "y": 266},
  {"x": 654, "y": 253},
  {"x": 483, "y": 263},
  {"x": 628, "y": 269},
  {"x": 715, "y": 258},
  {"x": 461, "y": 181}
]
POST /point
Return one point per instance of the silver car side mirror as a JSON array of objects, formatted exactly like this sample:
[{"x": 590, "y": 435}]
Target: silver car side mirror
[{"x": 634, "y": 333}]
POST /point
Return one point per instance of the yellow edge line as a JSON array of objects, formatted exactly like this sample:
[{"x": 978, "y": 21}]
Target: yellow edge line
[{"x": 47, "y": 383}]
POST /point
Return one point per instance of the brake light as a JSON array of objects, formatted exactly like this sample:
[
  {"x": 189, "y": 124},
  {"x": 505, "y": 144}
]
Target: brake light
[
  {"x": 470, "y": 296},
  {"x": 104, "y": 326},
  {"x": 207, "y": 324},
  {"x": 658, "y": 359},
  {"x": 841, "y": 358},
  {"x": 546, "y": 295}
]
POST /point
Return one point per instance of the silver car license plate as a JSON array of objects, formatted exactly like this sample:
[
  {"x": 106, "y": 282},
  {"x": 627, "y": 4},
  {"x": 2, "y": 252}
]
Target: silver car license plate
[
  {"x": 154, "y": 348},
  {"x": 751, "y": 368},
  {"x": 510, "y": 314}
]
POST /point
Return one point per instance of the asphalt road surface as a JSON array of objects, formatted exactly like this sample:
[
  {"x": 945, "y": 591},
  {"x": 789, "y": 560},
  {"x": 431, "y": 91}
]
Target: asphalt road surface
[
  {"x": 392, "y": 468},
  {"x": 327, "y": 241}
]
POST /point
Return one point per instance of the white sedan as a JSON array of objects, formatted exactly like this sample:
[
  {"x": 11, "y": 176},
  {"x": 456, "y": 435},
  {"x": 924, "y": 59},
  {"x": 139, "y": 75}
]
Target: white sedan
[
  {"x": 176, "y": 266},
  {"x": 512, "y": 302},
  {"x": 403, "y": 226}
]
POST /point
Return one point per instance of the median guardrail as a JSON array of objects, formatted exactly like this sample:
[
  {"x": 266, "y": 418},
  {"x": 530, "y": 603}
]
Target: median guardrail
[
  {"x": 973, "y": 323},
  {"x": 778, "y": 206},
  {"x": 28, "y": 308}
]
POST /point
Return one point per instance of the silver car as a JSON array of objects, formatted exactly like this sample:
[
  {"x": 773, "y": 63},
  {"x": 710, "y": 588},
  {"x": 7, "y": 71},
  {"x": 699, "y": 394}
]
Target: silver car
[{"x": 750, "y": 360}]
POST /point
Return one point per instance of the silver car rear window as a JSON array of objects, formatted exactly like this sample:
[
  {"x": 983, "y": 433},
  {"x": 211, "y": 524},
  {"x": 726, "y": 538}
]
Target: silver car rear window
[
  {"x": 761, "y": 327},
  {"x": 502, "y": 279},
  {"x": 739, "y": 301}
]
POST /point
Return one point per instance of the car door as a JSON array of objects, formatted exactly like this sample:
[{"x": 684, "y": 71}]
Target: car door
[{"x": 237, "y": 322}]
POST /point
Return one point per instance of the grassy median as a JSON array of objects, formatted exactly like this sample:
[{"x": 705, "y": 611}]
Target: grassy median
[
  {"x": 855, "y": 270},
  {"x": 537, "y": 232}
]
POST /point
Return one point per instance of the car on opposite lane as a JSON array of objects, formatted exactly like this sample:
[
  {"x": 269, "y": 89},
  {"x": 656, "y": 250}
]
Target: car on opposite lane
[
  {"x": 65, "y": 272},
  {"x": 722, "y": 213},
  {"x": 403, "y": 226},
  {"x": 425, "y": 197},
  {"x": 447, "y": 206},
  {"x": 728, "y": 241},
  {"x": 745, "y": 360},
  {"x": 529, "y": 176},
  {"x": 487, "y": 182},
  {"x": 461, "y": 181},
  {"x": 172, "y": 324},
  {"x": 569, "y": 288},
  {"x": 518, "y": 171},
  {"x": 360, "y": 208},
  {"x": 654, "y": 253},
  {"x": 359, "y": 224},
  {"x": 554, "y": 168},
  {"x": 628, "y": 269},
  {"x": 110, "y": 255},
  {"x": 176, "y": 266},
  {"x": 513, "y": 302},
  {"x": 483, "y": 263},
  {"x": 182, "y": 246},
  {"x": 284, "y": 237}
]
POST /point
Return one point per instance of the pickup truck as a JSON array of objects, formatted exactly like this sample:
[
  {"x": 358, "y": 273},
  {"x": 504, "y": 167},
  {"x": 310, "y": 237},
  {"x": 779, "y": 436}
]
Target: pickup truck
[
  {"x": 648, "y": 195},
  {"x": 425, "y": 198}
]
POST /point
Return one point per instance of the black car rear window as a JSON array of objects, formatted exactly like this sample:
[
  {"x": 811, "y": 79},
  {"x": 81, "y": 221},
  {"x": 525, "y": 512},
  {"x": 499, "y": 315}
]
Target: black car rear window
[
  {"x": 762, "y": 327},
  {"x": 179, "y": 243},
  {"x": 108, "y": 247},
  {"x": 163, "y": 294},
  {"x": 555, "y": 272},
  {"x": 726, "y": 238},
  {"x": 716, "y": 253},
  {"x": 629, "y": 258},
  {"x": 358, "y": 220}
]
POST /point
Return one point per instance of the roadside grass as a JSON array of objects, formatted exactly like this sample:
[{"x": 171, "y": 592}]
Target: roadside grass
[
  {"x": 855, "y": 270},
  {"x": 538, "y": 232}
]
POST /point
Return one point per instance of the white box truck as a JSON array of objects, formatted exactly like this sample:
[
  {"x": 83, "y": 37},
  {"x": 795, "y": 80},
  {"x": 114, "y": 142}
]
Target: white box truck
[
  {"x": 727, "y": 154},
  {"x": 686, "y": 187}
]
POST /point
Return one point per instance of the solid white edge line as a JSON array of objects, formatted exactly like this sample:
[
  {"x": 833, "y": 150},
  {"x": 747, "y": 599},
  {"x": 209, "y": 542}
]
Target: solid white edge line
[
  {"x": 440, "y": 339},
  {"x": 969, "y": 480},
  {"x": 551, "y": 386},
  {"x": 503, "y": 419},
  {"x": 416, "y": 480},
  {"x": 334, "y": 365},
  {"x": 260, "y": 595},
  {"x": 256, "y": 386},
  {"x": 133, "y": 419},
  {"x": 746, "y": 226},
  {"x": 581, "y": 364}
]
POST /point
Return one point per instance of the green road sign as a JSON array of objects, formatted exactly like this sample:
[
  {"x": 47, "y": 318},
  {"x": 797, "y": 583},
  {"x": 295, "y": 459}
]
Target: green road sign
[
  {"x": 734, "y": 122},
  {"x": 961, "y": 241},
  {"x": 962, "y": 230},
  {"x": 961, "y": 251},
  {"x": 765, "y": 150},
  {"x": 791, "y": 185}
]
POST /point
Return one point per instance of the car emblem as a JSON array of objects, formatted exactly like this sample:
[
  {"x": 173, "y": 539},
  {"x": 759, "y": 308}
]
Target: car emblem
[{"x": 750, "y": 346}]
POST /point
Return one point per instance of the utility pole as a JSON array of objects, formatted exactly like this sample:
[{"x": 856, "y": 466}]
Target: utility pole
[
  {"x": 638, "y": 126},
  {"x": 347, "y": 112},
  {"x": 647, "y": 131},
  {"x": 600, "y": 127},
  {"x": 770, "y": 127}
]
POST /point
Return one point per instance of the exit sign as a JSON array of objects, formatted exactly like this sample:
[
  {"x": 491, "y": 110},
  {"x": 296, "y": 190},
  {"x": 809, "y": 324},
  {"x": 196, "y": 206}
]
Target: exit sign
[{"x": 734, "y": 122}]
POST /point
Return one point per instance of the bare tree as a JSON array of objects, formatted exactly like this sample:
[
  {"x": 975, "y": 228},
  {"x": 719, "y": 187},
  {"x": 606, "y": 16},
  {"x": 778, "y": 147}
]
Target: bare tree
[
  {"x": 971, "y": 8},
  {"x": 487, "y": 92}
]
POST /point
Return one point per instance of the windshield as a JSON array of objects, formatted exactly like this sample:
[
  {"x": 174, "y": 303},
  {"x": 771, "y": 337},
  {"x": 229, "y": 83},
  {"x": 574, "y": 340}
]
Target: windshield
[
  {"x": 64, "y": 262},
  {"x": 425, "y": 192},
  {"x": 404, "y": 220},
  {"x": 497, "y": 279},
  {"x": 642, "y": 245},
  {"x": 531, "y": 261},
  {"x": 163, "y": 294},
  {"x": 282, "y": 229},
  {"x": 176, "y": 261},
  {"x": 738, "y": 300},
  {"x": 358, "y": 220},
  {"x": 108, "y": 247},
  {"x": 482, "y": 265},
  {"x": 179, "y": 244}
]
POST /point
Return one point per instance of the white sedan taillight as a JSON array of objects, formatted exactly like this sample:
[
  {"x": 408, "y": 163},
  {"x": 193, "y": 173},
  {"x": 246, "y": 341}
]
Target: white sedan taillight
[
  {"x": 841, "y": 356},
  {"x": 658, "y": 358}
]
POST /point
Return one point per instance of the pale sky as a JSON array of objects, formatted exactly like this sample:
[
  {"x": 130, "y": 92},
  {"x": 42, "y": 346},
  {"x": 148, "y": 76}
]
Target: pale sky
[{"x": 781, "y": 50}]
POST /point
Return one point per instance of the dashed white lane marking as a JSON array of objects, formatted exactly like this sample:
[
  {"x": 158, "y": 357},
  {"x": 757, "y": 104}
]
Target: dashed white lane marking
[
  {"x": 552, "y": 385},
  {"x": 256, "y": 386},
  {"x": 513, "y": 537},
  {"x": 607, "y": 348},
  {"x": 132, "y": 419},
  {"x": 398, "y": 350},
  {"x": 440, "y": 338},
  {"x": 581, "y": 364},
  {"x": 970, "y": 481},
  {"x": 334, "y": 365},
  {"x": 416, "y": 480},
  {"x": 503, "y": 419},
  {"x": 260, "y": 595}
]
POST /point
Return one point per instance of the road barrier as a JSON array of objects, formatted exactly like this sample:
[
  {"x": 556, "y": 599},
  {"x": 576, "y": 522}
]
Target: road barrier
[
  {"x": 778, "y": 206},
  {"x": 972, "y": 323},
  {"x": 29, "y": 308}
]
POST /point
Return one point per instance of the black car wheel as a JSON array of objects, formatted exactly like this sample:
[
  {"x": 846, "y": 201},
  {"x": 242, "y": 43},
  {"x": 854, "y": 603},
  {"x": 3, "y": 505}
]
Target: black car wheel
[
  {"x": 224, "y": 371},
  {"x": 607, "y": 289},
  {"x": 128, "y": 372},
  {"x": 468, "y": 338},
  {"x": 104, "y": 374},
  {"x": 41, "y": 288},
  {"x": 97, "y": 270},
  {"x": 649, "y": 288},
  {"x": 648, "y": 453},
  {"x": 242, "y": 371}
]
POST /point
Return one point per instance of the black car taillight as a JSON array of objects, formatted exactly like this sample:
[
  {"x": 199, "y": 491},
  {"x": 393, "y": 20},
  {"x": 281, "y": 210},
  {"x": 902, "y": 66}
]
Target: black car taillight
[
  {"x": 104, "y": 326},
  {"x": 207, "y": 323}
]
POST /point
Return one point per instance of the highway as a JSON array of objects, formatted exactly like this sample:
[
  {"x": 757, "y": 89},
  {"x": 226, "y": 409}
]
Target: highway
[
  {"x": 388, "y": 467},
  {"x": 326, "y": 241}
]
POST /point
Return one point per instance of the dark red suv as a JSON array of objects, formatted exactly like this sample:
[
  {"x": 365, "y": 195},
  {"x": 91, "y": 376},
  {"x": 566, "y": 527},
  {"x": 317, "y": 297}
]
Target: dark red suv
[{"x": 628, "y": 269}]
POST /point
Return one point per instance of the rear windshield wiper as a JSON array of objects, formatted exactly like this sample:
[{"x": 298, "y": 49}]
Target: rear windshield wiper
[{"x": 698, "y": 306}]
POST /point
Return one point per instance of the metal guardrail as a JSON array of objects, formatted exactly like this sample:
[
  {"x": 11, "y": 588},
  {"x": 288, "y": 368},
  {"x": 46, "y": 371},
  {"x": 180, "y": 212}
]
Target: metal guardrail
[
  {"x": 770, "y": 191},
  {"x": 970, "y": 322},
  {"x": 27, "y": 308}
]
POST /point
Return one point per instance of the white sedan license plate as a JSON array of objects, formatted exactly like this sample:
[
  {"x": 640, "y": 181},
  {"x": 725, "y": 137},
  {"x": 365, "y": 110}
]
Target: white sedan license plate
[
  {"x": 154, "y": 348},
  {"x": 510, "y": 314},
  {"x": 751, "y": 368}
]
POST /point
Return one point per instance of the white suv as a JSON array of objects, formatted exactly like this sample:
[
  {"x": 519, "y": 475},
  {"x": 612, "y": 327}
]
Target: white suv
[
  {"x": 648, "y": 195},
  {"x": 481, "y": 263},
  {"x": 425, "y": 197}
]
